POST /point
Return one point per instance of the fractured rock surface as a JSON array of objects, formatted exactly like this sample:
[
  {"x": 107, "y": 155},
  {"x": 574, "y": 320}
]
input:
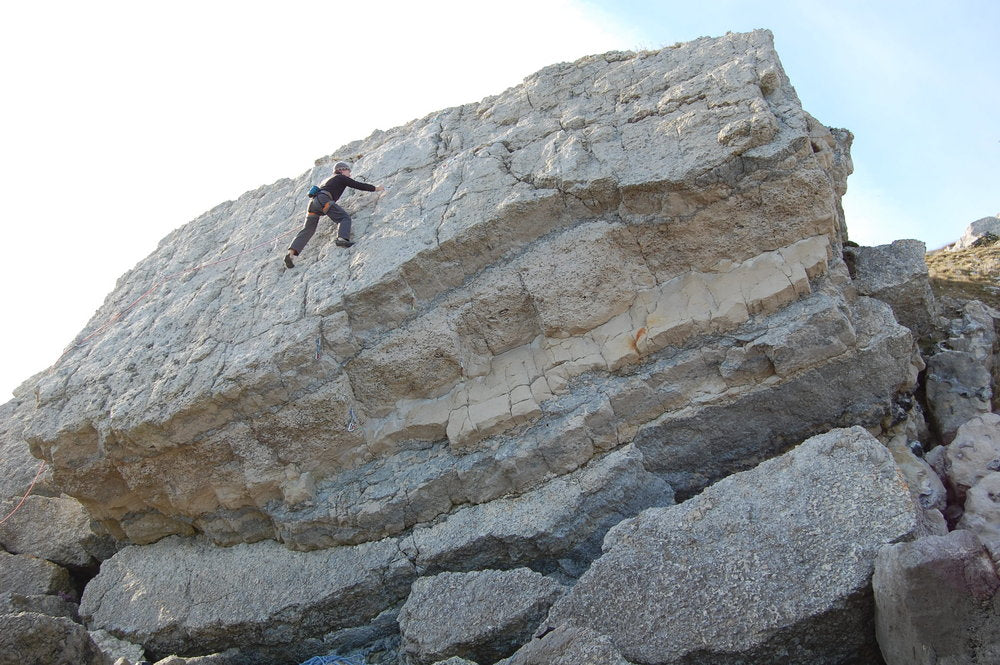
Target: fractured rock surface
[
  {"x": 36, "y": 638},
  {"x": 897, "y": 274},
  {"x": 938, "y": 601},
  {"x": 722, "y": 577},
  {"x": 483, "y": 615},
  {"x": 29, "y": 576},
  {"x": 184, "y": 596},
  {"x": 624, "y": 249}
]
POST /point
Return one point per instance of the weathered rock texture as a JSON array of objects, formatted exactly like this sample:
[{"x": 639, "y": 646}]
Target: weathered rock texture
[
  {"x": 187, "y": 597},
  {"x": 595, "y": 293},
  {"x": 926, "y": 487},
  {"x": 974, "y": 454},
  {"x": 47, "y": 524},
  {"x": 270, "y": 600},
  {"x": 15, "y": 603},
  {"x": 56, "y": 528},
  {"x": 721, "y": 577},
  {"x": 632, "y": 248},
  {"x": 35, "y": 638},
  {"x": 938, "y": 601},
  {"x": 978, "y": 229},
  {"x": 29, "y": 576},
  {"x": 484, "y": 616},
  {"x": 897, "y": 274},
  {"x": 960, "y": 376}
]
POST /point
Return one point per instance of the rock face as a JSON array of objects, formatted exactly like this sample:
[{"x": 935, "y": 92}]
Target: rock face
[
  {"x": 35, "y": 638},
  {"x": 720, "y": 578},
  {"x": 28, "y": 575},
  {"x": 484, "y": 615},
  {"x": 187, "y": 597},
  {"x": 577, "y": 302},
  {"x": 974, "y": 454},
  {"x": 897, "y": 274},
  {"x": 938, "y": 601},
  {"x": 632, "y": 248},
  {"x": 978, "y": 229},
  {"x": 960, "y": 376},
  {"x": 57, "y": 529}
]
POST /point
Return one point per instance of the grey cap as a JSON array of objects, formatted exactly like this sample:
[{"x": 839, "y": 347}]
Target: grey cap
[{"x": 341, "y": 165}]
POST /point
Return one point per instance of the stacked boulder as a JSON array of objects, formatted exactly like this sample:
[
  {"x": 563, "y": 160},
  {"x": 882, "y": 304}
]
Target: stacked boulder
[{"x": 620, "y": 285}]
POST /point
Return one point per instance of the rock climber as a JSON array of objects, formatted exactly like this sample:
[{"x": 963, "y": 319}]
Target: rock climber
[{"x": 324, "y": 203}]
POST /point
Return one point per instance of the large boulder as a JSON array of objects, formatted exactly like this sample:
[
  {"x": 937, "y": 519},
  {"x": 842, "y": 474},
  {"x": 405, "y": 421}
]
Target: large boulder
[
  {"x": 926, "y": 487},
  {"x": 978, "y": 229},
  {"x": 27, "y": 638},
  {"x": 769, "y": 565},
  {"x": 56, "y": 528},
  {"x": 569, "y": 644},
  {"x": 973, "y": 454},
  {"x": 188, "y": 597},
  {"x": 19, "y": 467},
  {"x": 938, "y": 601},
  {"x": 897, "y": 274},
  {"x": 36, "y": 519},
  {"x": 958, "y": 389},
  {"x": 56, "y": 606},
  {"x": 483, "y": 616},
  {"x": 29, "y": 576},
  {"x": 960, "y": 376},
  {"x": 982, "y": 513},
  {"x": 634, "y": 248},
  {"x": 115, "y": 649}
]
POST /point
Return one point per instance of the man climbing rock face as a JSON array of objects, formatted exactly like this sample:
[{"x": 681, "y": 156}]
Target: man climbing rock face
[{"x": 324, "y": 203}]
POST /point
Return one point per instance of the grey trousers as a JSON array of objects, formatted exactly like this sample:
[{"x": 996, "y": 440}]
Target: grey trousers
[{"x": 319, "y": 206}]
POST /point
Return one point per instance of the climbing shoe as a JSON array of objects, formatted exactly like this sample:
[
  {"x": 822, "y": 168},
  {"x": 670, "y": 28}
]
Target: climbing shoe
[
  {"x": 343, "y": 242},
  {"x": 288, "y": 261}
]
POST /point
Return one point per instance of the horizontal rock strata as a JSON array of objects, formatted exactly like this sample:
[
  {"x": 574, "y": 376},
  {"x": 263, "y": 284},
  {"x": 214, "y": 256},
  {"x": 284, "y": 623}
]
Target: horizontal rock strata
[
  {"x": 190, "y": 597},
  {"x": 769, "y": 565},
  {"x": 621, "y": 250}
]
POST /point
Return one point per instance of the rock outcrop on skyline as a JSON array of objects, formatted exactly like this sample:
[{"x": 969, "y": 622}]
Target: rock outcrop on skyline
[
  {"x": 630, "y": 248},
  {"x": 602, "y": 346}
]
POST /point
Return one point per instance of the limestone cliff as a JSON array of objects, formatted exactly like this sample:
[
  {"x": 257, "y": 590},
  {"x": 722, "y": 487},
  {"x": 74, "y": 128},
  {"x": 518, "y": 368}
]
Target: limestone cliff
[
  {"x": 629, "y": 248},
  {"x": 592, "y": 295}
]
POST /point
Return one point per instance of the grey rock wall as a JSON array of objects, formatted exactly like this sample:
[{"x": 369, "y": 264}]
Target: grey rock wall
[
  {"x": 769, "y": 565},
  {"x": 596, "y": 293},
  {"x": 938, "y": 601},
  {"x": 642, "y": 230}
]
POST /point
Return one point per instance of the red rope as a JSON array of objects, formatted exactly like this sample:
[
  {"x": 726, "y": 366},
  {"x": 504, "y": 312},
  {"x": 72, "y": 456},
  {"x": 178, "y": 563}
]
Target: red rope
[{"x": 41, "y": 467}]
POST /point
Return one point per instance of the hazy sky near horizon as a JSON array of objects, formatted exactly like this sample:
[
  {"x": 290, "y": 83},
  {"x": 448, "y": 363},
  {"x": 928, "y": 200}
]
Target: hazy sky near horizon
[{"x": 124, "y": 120}]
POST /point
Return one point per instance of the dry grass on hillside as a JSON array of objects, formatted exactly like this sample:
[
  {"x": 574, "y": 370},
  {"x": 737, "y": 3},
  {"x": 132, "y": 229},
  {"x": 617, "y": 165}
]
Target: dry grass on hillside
[{"x": 967, "y": 273}]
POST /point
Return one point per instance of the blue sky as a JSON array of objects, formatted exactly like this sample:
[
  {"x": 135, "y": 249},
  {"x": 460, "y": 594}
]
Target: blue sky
[{"x": 124, "y": 120}]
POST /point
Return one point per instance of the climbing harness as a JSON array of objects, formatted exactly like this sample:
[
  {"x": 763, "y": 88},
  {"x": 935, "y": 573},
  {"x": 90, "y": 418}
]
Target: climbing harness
[
  {"x": 331, "y": 660},
  {"x": 41, "y": 467}
]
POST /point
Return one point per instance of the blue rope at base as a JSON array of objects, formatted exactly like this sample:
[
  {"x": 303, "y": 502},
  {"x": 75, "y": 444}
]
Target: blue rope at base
[{"x": 331, "y": 660}]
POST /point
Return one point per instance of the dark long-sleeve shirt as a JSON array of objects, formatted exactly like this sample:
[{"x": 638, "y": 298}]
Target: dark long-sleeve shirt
[{"x": 338, "y": 183}]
